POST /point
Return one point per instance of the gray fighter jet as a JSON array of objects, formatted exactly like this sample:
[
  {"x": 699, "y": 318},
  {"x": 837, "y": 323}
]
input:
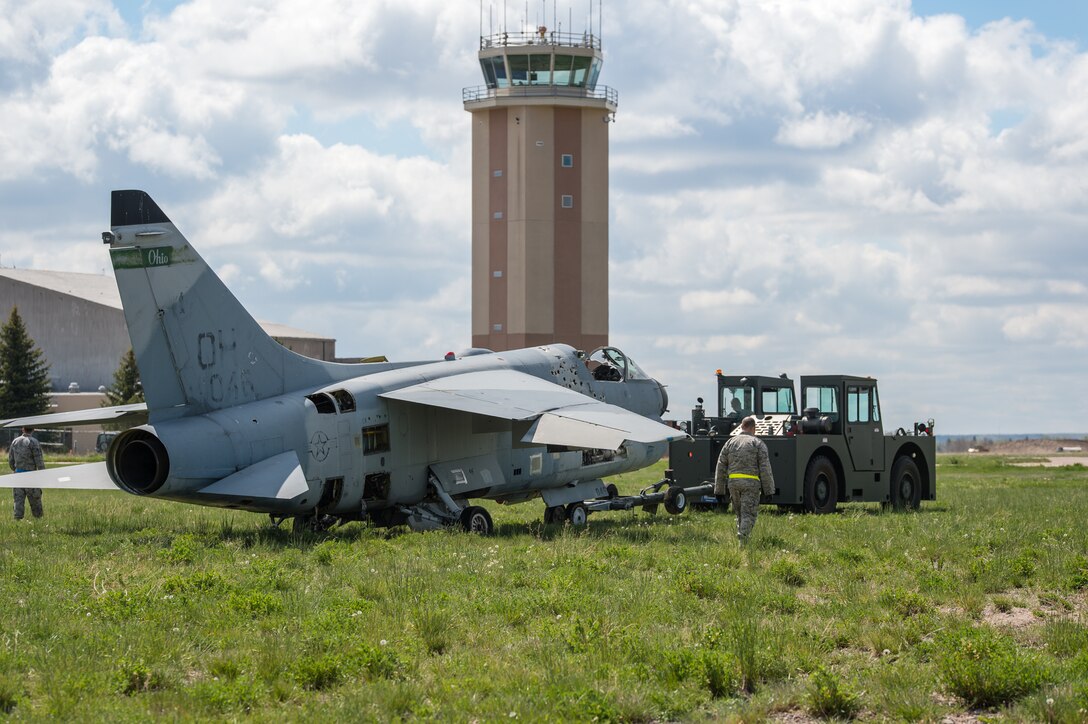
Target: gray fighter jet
[{"x": 235, "y": 420}]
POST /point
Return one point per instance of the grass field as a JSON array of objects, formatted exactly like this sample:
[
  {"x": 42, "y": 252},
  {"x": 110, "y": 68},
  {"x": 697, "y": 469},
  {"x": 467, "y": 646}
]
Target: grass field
[{"x": 120, "y": 608}]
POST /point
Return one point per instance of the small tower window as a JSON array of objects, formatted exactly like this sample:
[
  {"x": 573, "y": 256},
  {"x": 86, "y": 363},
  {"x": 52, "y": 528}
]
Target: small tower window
[
  {"x": 497, "y": 173},
  {"x": 497, "y": 215},
  {"x": 567, "y": 160},
  {"x": 567, "y": 201},
  {"x": 496, "y": 327}
]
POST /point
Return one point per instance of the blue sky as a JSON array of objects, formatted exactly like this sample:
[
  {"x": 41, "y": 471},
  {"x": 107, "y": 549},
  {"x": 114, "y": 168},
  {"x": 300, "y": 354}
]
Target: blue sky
[
  {"x": 862, "y": 186},
  {"x": 1056, "y": 20}
]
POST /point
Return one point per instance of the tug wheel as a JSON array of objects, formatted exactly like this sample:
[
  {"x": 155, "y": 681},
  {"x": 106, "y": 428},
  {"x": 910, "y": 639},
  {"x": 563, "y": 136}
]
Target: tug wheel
[
  {"x": 821, "y": 486},
  {"x": 906, "y": 492}
]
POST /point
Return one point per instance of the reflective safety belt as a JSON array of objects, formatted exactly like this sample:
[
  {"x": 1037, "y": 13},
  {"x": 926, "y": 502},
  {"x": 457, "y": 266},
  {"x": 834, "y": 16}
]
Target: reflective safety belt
[{"x": 743, "y": 475}]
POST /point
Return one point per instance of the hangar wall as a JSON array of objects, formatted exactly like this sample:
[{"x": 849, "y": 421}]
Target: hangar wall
[
  {"x": 82, "y": 340},
  {"x": 78, "y": 323}
]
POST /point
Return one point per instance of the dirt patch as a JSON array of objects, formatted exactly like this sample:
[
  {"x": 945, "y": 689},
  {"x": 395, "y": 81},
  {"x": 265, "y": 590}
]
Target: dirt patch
[
  {"x": 1013, "y": 618},
  {"x": 794, "y": 717}
]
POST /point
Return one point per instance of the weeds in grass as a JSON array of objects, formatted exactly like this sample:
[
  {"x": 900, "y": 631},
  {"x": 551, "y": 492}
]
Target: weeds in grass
[
  {"x": 317, "y": 672},
  {"x": 721, "y": 673},
  {"x": 743, "y": 640},
  {"x": 789, "y": 572},
  {"x": 829, "y": 696},
  {"x": 986, "y": 668},
  {"x": 230, "y": 695},
  {"x": 433, "y": 628},
  {"x": 253, "y": 603},
  {"x": 1065, "y": 637},
  {"x": 134, "y": 676},
  {"x": 1077, "y": 579},
  {"x": 10, "y": 694}
]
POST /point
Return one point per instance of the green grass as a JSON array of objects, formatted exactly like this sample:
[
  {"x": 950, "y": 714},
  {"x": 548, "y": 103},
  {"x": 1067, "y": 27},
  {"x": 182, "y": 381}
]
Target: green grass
[{"x": 122, "y": 608}]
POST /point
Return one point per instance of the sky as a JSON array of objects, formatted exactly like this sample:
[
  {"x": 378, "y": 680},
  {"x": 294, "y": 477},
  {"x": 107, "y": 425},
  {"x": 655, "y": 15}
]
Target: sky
[{"x": 870, "y": 187}]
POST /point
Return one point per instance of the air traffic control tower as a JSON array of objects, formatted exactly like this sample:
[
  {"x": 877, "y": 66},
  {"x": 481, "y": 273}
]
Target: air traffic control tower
[{"x": 540, "y": 191}]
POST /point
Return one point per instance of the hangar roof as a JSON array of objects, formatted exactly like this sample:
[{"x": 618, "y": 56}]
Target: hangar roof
[
  {"x": 97, "y": 288},
  {"x": 102, "y": 289}
]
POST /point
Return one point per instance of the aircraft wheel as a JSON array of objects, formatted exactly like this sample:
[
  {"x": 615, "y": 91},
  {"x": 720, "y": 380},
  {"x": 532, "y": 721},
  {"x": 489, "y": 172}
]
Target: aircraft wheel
[
  {"x": 312, "y": 523},
  {"x": 676, "y": 500},
  {"x": 821, "y": 486},
  {"x": 906, "y": 492},
  {"x": 475, "y": 519},
  {"x": 555, "y": 515},
  {"x": 613, "y": 491},
  {"x": 577, "y": 513}
]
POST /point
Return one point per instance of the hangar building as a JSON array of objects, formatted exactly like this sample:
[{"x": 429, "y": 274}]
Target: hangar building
[{"x": 77, "y": 322}]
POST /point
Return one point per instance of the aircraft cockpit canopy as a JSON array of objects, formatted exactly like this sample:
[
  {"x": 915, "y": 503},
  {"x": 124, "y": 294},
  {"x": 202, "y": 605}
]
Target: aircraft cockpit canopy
[{"x": 612, "y": 365}]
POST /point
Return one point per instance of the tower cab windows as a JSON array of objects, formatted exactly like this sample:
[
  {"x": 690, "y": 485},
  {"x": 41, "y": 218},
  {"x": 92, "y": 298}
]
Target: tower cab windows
[{"x": 540, "y": 69}]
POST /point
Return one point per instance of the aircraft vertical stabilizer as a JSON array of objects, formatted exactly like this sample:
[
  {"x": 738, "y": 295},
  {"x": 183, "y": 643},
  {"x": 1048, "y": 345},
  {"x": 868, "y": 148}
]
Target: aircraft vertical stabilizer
[{"x": 196, "y": 346}]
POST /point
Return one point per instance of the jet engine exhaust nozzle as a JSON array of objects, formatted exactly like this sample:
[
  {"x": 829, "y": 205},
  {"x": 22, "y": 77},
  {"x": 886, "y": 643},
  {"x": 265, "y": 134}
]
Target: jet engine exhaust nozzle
[{"x": 138, "y": 462}]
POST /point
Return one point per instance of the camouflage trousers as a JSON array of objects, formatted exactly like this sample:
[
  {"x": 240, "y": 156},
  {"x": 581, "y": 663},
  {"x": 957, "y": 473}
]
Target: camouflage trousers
[
  {"x": 21, "y": 494},
  {"x": 744, "y": 495}
]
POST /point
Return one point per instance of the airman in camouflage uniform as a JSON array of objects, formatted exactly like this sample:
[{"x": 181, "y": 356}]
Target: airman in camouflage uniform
[
  {"x": 24, "y": 455},
  {"x": 744, "y": 470}
]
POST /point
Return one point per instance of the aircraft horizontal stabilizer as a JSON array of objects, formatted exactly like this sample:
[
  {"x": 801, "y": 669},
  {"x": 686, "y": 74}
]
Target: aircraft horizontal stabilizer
[
  {"x": 279, "y": 477},
  {"x": 89, "y": 476},
  {"x": 135, "y": 414},
  {"x": 563, "y": 416}
]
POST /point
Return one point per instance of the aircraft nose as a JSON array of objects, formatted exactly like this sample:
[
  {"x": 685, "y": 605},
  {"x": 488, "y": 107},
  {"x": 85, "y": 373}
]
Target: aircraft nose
[{"x": 664, "y": 397}]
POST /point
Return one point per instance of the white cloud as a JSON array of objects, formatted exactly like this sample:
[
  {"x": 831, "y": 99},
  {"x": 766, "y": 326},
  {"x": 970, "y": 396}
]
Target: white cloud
[
  {"x": 801, "y": 187},
  {"x": 820, "y": 130},
  {"x": 705, "y": 301},
  {"x": 1061, "y": 325}
]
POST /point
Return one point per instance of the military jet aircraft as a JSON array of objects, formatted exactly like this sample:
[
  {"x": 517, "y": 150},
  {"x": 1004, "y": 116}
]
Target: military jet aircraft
[{"x": 235, "y": 420}]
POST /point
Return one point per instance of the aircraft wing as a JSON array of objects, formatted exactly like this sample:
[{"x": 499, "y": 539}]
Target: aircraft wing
[
  {"x": 89, "y": 476},
  {"x": 597, "y": 425},
  {"x": 135, "y": 413},
  {"x": 560, "y": 416}
]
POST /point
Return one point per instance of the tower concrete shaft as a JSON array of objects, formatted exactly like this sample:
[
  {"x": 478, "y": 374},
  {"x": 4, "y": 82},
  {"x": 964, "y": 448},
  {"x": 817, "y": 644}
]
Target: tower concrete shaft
[{"x": 540, "y": 192}]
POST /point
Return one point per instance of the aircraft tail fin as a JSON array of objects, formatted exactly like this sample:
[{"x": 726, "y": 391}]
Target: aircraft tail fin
[{"x": 196, "y": 346}]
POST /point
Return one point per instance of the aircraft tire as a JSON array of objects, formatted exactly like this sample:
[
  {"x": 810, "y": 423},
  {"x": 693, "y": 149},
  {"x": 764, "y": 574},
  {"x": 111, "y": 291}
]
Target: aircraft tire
[
  {"x": 676, "y": 500},
  {"x": 613, "y": 491},
  {"x": 577, "y": 513},
  {"x": 555, "y": 515},
  {"x": 476, "y": 519},
  {"x": 906, "y": 491},
  {"x": 302, "y": 524}
]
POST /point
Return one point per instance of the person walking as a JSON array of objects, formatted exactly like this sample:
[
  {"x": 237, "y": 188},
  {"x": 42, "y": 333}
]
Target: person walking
[
  {"x": 24, "y": 455},
  {"x": 743, "y": 472}
]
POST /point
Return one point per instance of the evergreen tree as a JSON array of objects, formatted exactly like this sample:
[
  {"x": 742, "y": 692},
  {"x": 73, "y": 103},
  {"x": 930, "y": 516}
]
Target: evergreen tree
[
  {"x": 125, "y": 389},
  {"x": 24, "y": 373}
]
